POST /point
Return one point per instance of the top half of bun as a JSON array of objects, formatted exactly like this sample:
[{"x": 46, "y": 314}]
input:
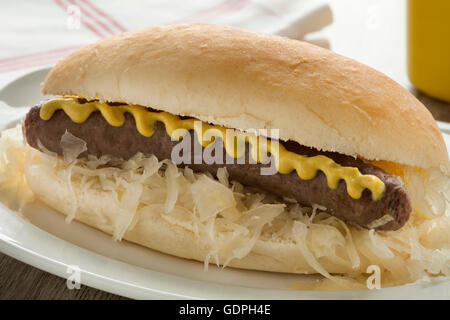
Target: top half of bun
[{"x": 244, "y": 80}]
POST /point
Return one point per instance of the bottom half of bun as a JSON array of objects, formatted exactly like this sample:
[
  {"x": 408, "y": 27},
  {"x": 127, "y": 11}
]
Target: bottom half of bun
[{"x": 195, "y": 216}]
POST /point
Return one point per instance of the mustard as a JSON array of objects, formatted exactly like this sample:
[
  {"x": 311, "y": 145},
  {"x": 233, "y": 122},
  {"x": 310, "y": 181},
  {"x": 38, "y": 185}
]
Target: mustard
[{"x": 286, "y": 161}]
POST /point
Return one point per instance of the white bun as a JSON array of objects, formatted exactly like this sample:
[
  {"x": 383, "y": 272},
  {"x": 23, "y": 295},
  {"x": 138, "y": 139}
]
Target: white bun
[{"x": 244, "y": 80}]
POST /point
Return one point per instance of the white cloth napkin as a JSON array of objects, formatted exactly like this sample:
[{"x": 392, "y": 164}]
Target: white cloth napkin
[{"x": 34, "y": 34}]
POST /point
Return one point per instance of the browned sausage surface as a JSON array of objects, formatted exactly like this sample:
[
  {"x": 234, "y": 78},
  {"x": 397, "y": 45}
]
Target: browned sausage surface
[{"x": 124, "y": 142}]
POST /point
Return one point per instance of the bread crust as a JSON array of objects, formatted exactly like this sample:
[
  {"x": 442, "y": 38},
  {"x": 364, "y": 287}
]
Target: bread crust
[{"x": 245, "y": 80}]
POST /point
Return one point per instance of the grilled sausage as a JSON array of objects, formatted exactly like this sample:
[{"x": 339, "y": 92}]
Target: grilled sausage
[{"x": 124, "y": 142}]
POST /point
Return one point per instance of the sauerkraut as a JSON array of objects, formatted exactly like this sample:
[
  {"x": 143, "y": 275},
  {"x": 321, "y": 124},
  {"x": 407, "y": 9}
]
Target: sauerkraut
[{"x": 234, "y": 218}]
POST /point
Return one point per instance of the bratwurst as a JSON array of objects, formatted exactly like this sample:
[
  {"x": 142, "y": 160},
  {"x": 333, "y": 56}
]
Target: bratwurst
[{"x": 388, "y": 213}]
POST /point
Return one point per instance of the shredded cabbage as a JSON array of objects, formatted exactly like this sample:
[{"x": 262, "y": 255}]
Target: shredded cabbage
[
  {"x": 235, "y": 219},
  {"x": 72, "y": 147},
  {"x": 15, "y": 192}
]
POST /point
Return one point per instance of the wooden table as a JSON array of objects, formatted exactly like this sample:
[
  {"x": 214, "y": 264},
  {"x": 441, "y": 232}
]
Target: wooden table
[{"x": 371, "y": 31}]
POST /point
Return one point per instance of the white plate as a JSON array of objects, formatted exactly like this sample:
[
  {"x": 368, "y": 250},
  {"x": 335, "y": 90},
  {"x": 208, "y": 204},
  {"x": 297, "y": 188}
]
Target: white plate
[{"x": 42, "y": 239}]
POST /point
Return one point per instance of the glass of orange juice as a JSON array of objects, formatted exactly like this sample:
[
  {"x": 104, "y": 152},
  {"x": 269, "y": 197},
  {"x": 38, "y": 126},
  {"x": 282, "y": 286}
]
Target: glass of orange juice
[{"x": 429, "y": 46}]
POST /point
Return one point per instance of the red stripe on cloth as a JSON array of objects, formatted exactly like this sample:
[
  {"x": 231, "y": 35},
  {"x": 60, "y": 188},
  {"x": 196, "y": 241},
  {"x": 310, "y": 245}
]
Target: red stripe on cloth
[
  {"x": 44, "y": 60},
  {"x": 93, "y": 17},
  {"x": 105, "y": 15},
  {"x": 83, "y": 21},
  {"x": 31, "y": 56},
  {"x": 51, "y": 56}
]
